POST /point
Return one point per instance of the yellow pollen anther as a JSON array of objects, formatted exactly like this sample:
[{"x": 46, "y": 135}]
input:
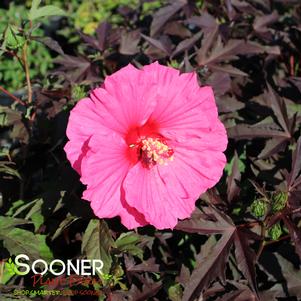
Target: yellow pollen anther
[{"x": 155, "y": 151}]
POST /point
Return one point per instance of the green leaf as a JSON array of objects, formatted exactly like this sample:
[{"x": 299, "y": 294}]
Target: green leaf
[
  {"x": 14, "y": 206},
  {"x": 44, "y": 250},
  {"x": 35, "y": 214},
  {"x": 12, "y": 39},
  {"x": 97, "y": 243},
  {"x": 45, "y": 11},
  {"x": 6, "y": 169},
  {"x": 20, "y": 241},
  {"x": 127, "y": 242},
  {"x": 5, "y": 276},
  {"x": 25, "y": 206},
  {"x": 63, "y": 225},
  {"x": 7, "y": 222},
  {"x": 38, "y": 220},
  {"x": 8, "y": 116}
]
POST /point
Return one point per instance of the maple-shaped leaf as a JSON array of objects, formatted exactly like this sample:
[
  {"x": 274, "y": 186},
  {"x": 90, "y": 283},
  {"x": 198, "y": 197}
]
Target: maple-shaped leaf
[
  {"x": 77, "y": 69},
  {"x": 245, "y": 256},
  {"x": 104, "y": 37},
  {"x": 210, "y": 221},
  {"x": 164, "y": 14},
  {"x": 186, "y": 44},
  {"x": 209, "y": 267},
  {"x": 162, "y": 44},
  {"x": 266, "y": 128},
  {"x": 129, "y": 42},
  {"x": 211, "y": 264},
  {"x": 149, "y": 289},
  {"x": 295, "y": 233},
  {"x": 261, "y": 23},
  {"x": 294, "y": 177}
]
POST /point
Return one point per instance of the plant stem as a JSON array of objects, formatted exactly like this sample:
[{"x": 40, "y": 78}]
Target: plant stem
[
  {"x": 248, "y": 225},
  {"x": 262, "y": 243},
  {"x": 274, "y": 241},
  {"x": 12, "y": 96},
  {"x": 27, "y": 74}
]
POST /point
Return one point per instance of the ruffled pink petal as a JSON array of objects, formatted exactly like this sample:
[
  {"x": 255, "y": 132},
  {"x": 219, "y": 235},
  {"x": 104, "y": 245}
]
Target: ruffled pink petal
[
  {"x": 199, "y": 164},
  {"x": 103, "y": 170},
  {"x": 83, "y": 122},
  {"x": 161, "y": 204},
  {"x": 126, "y": 99},
  {"x": 183, "y": 109}
]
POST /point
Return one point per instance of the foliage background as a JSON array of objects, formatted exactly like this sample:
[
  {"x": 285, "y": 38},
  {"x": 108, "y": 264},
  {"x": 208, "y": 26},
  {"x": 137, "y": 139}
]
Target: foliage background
[{"x": 244, "y": 241}]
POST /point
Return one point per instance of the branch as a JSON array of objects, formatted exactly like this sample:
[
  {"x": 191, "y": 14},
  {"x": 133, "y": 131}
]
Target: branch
[
  {"x": 12, "y": 96},
  {"x": 27, "y": 74}
]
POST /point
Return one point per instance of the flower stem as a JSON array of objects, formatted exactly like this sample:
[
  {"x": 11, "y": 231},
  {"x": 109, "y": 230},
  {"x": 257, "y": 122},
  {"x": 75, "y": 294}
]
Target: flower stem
[
  {"x": 12, "y": 96},
  {"x": 27, "y": 74}
]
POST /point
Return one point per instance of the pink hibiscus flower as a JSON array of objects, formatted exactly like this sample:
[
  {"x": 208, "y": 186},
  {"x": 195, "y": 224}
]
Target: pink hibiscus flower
[{"x": 147, "y": 144}]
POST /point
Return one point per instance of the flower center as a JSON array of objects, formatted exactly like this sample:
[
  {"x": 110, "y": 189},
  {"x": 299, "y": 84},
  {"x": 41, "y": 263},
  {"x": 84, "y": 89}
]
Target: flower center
[{"x": 152, "y": 151}]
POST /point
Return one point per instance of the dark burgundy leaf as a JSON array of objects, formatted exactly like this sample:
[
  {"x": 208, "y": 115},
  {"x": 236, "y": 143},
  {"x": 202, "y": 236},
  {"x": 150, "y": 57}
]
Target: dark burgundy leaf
[
  {"x": 147, "y": 266},
  {"x": 296, "y": 81},
  {"x": 228, "y": 104},
  {"x": 184, "y": 276},
  {"x": 209, "y": 268},
  {"x": 296, "y": 165},
  {"x": 239, "y": 295},
  {"x": 156, "y": 53},
  {"x": 186, "y": 44},
  {"x": 272, "y": 147},
  {"x": 118, "y": 296},
  {"x": 102, "y": 33},
  {"x": 91, "y": 41},
  {"x": 221, "y": 83},
  {"x": 258, "y": 130},
  {"x": 212, "y": 197},
  {"x": 207, "y": 43},
  {"x": 244, "y": 7},
  {"x": 176, "y": 28},
  {"x": 206, "y": 21},
  {"x": 228, "y": 69},
  {"x": 220, "y": 52},
  {"x": 198, "y": 224},
  {"x": 187, "y": 64},
  {"x": 77, "y": 68},
  {"x": 295, "y": 234},
  {"x": 230, "y": 10},
  {"x": 160, "y": 44},
  {"x": 230, "y": 50},
  {"x": 129, "y": 42},
  {"x": 245, "y": 257},
  {"x": 251, "y": 47},
  {"x": 261, "y": 22},
  {"x": 164, "y": 14},
  {"x": 216, "y": 288},
  {"x": 232, "y": 187},
  {"x": 278, "y": 106},
  {"x": 50, "y": 43},
  {"x": 148, "y": 291}
]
